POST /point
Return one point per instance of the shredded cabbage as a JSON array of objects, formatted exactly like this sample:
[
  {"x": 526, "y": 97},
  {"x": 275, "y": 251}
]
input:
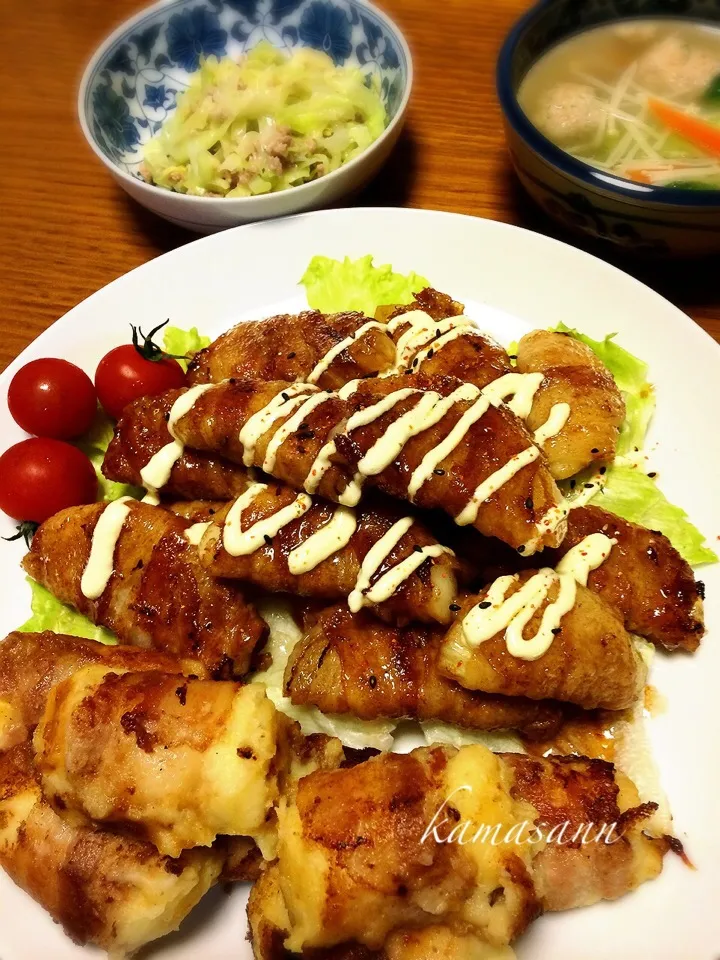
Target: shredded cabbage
[{"x": 264, "y": 124}]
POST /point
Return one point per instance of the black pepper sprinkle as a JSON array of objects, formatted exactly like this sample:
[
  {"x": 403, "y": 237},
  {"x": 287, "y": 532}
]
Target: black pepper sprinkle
[
  {"x": 232, "y": 381},
  {"x": 556, "y": 630},
  {"x": 417, "y": 548},
  {"x": 652, "y": 475},
  {"x": 456, "y": 606},
  {"x": 485, "y": 604},
  {"x": 285, "y": 396},
  {"x": 529, "y": 503},
  {"x": 603, "y": 470},
  {"x": 372, "y": 682},
  {"x": 512, "y": 356},
  {"x": 700, "y": 587},
  {"x": 521, "y": 548},
  {"x": 291, "y": 356},
  {"x": 572, "y": 484},
  {"x": 415, "y": 362},
  {"x": 652, "y": 553},
  {"x": 430, "y": 353},
  {"x": 594, "y": 450},
  {"x": 588, "y": 486},
  {"x": 267, "y": 539},
  {"x": 438, "y": 472},
  {"x": 166, "y": 417}
]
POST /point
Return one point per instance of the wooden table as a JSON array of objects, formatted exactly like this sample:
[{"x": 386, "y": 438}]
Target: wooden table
[{"x": 67, "y": 229}]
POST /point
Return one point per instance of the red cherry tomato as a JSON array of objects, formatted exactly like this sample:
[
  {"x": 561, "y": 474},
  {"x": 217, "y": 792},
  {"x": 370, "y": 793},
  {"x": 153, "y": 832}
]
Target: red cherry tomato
[
  {"x": 40, "y": 476},
  {"x": 125, "y": 374},
  {"x": 52, "y": 398}
]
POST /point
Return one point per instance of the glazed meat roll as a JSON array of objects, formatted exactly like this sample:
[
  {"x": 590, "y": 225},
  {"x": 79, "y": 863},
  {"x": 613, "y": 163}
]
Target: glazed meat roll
[
  {"x": 374, "y": 555},
  {"x": 130, "y": 567},
  {"x": 326, "y": 349},
  {"x": 541, "y": 635},
  {"x": 352, "y": 664},
  {"x": 438, "y": 443},
  {"x": 141, "y": 434}
]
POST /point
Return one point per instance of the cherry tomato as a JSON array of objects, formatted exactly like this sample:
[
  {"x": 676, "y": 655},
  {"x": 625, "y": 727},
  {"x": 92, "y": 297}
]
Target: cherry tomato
[
  {"x": 135, "y": 370},
  {"x": 52, "y": 398},
  {"x": 40, "y": 476}
]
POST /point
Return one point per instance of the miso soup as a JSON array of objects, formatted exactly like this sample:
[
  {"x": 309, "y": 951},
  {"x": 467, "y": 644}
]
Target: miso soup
[{"x": 639, "y": 99}]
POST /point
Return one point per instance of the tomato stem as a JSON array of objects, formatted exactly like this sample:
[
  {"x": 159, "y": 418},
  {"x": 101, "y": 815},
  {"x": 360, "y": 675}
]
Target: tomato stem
[
  {"x": 26, "y": 529},
  {"x": 149, "y": 350}
]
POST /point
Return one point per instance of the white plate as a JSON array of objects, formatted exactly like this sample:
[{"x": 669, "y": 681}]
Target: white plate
[{"x": 512, "y": 280}]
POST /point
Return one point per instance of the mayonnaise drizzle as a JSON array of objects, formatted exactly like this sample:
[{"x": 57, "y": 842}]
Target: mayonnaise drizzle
[
  {"x": 387, "y": 447},
  {"x": 290, "y": 426},
  {"x": 498, "y": 611},
  {"x": 559, "y": 416},
  {"x": 100, "y": 565},
  {"x": 196, "y": 532},
  {"x": 492, "y": 484},
  {"x": 374, "y": 559},
  {"x": 238, "y": 542},
  {"x": 156, "y": 472},
  {"x": 322, "y": 365},
  {"x": 521, "y": 387},
  {"x": 586, "y": 556},
  {"x": 280, "y": 406},
  {"x": 331, "y": 537}
]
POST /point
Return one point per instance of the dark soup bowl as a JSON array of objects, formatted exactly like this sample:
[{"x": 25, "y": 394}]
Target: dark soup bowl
[{"x": 648, "y": 219}]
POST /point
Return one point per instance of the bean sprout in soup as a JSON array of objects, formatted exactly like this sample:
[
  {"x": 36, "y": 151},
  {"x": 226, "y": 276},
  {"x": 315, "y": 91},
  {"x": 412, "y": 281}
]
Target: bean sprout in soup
[{"x": 639, "y": 99}]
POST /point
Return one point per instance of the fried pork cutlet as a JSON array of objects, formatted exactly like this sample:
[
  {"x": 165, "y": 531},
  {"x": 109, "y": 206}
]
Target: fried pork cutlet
[
  {"x": 327, "y": 349},
  {"x": 158, "y": 594},
  {"x": 353, "y": 664}
]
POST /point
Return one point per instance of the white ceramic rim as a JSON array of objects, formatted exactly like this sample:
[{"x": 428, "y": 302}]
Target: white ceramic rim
[{"x": 199, "y": 203}]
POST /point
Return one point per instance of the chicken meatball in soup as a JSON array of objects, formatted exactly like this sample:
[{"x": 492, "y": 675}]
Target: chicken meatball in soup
[{"x": 639, "y": 99}]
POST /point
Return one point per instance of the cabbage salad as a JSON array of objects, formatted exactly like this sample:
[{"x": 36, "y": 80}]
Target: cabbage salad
[{"x": 265, "y": 123}]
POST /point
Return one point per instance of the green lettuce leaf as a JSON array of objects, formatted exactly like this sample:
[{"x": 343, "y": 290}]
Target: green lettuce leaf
[
  {"x": 50, "y": 614},
  {"x": 630, "y": 374},
  {"x": 634, "y": 495},
  {"x": 94, "y": 444},
  {"x": 333, "y": 286},
  {"x": 183, "y": 343}
]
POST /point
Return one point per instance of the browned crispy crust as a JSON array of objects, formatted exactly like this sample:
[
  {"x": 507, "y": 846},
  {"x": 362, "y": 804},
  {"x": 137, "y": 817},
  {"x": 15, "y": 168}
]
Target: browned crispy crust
[
  {"x": 197, "y": 511},
  {"x": 573, "y": 375},
  {"x": 645, "y": 579},
  {"x": 288, "y": 346},
  {"x": 32, "y": 663},
  {"x": 351, "y": 663},
  {"x": 159, "y": 596},
  {"x": 91, "y": 881},
  {"x": 592, "y": 661},
  {"x": 425, "y": 596},
  {"x": 584, "y": 794},
  {"x": 142, "y": 431},
  {"x": 473, "y": 358}
]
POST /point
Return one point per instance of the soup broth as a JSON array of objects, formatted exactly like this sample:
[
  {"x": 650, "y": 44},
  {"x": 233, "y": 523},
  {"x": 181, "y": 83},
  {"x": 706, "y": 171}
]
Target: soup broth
[{"x": 639, "y": 99}]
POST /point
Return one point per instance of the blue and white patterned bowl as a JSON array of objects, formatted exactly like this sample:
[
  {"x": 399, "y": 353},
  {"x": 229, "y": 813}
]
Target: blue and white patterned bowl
[
  {"x": 658, "y": 221},
  {"x": 130, "y": 86}
]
